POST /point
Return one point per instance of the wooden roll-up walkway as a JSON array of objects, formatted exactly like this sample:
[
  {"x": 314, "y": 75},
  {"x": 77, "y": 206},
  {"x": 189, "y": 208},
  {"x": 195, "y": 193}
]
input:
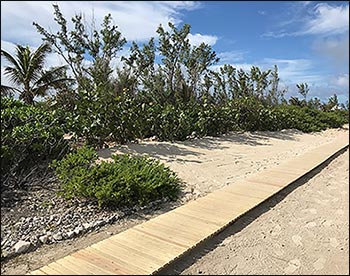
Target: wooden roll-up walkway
[{"x": 150, "y": 246}]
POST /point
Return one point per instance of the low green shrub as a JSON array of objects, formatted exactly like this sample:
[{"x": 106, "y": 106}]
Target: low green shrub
[{"x": 126, "y": 181}]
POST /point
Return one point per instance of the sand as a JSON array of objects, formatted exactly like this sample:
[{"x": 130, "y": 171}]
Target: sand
[
  {"x": 211, "y": 163},
  {"x": 207, "y": 164}
]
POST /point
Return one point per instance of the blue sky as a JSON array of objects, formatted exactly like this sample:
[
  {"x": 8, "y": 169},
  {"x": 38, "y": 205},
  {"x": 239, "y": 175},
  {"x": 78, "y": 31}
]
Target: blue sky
[{"x": 309, "y": 41}]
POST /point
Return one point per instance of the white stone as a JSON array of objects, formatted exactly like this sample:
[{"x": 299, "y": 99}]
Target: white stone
[
  {"x": 43, "y": 239},
  {"x": 57, "y": 236},
  {"x": 21, "y": 246},
  {"x": 70, "y": 234}
]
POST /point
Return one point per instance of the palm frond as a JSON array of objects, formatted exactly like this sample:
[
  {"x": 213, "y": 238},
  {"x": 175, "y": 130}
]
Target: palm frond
[{"x": 7, "y": 90}]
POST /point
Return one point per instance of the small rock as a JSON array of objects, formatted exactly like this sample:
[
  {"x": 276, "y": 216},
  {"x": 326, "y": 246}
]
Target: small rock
[
  {"x": 78, "y": 230},
  {"x": 98, "y": 223},
  {"x": 57, "y": 236},
  {"x": 70, "y": 234},
  {"x": 87, "y": 225},
  {"x": 44, "y": 238},
  {"x": 21, "y": 246},
  {"x": 59, "y": 221}
]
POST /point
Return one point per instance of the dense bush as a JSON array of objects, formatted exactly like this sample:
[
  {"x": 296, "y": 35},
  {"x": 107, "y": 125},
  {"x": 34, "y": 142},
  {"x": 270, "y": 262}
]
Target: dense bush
[
  {"x": 307, "y": 119},
  {"x": 124, "y": 182},
  {"x": 29, "y": 135}
]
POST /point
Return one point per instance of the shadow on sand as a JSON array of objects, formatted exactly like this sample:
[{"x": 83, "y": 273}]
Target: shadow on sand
[{"x": 189, "y": 149}]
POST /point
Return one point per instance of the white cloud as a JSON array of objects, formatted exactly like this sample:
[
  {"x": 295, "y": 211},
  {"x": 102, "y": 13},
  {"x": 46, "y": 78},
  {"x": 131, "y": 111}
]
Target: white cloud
[
  {"x": 238, "y": 66},
  {"x": 328, "y": 20},
  {"x": 341, "y": 81},
  {"x": 197, "y": 39},
  {"x": 137, "y": 20},
  {"x": 231, "y": 56},
  {"x": 295, "y": 70},
  {"x": 322, "y": 20}
]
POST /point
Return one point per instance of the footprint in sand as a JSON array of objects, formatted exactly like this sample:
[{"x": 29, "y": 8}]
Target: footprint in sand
[
  {"x": 297, "y": 240},
  {"x": 328, "y": 223},
  {"x": 311, "y": 210},
  {"x": 310, "y": 224},
  {"x": 319, "y": 264},
  {"x": 293, "y": 265},
  {"x": 276, "y": 230},
  {"x": 333, "y": 242}
]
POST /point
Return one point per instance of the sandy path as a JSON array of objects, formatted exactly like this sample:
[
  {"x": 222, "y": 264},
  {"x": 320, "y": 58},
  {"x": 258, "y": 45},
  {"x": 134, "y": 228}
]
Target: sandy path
[
  {"x": 203, "y": 164},
  {"x": 300, "y": 231},
  {"x": 210, "y": 163}
]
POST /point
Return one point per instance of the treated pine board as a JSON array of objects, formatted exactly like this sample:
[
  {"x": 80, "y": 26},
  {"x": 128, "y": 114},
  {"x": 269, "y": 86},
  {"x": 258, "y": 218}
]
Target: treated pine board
[
  {"x": 179, "y": 238},
  {"x": 259, "y": 190},
  {"x": 50, "y": 270},
  {"x": 204, "y": 216},
  {"x": 245, "y": 192},
  {"x": 225, "y": 209},
  {"x": 63, "y": 270},
  {"x": 81, "y": 257},
  {"x": 179, "y": 221},
  {"x": 162, "y": 257},
  {"x": 210, "y": 215},
  {"x": 233, "y": 203},
  {"x": 142, "y": 242},
  {"x": 178, "y": 233},
  {"x": 237, "y": 196},
  {"x": 78, "y": 267},
  {"x": 274, "y": 179},
  {"x": 130, "y": 258},
  {"x": 125, "y": 268},
  {"x": 99, "y": 261}
]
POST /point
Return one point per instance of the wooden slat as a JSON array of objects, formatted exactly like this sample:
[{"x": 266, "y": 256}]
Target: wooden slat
[
  {"x": 50, "y": 271},
  {"x": 78, "y": 267},
  {"x": 148, "y": 247},
  {"x": 98, "y": 261},
  {"x": 132, "y": 259},
  {"x": 125, "y": 268},
  {"x": 61, "y": 269}
]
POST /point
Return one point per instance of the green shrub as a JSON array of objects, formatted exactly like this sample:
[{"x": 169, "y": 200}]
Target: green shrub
[
  {"x": 28, "y": 135},
  {"x": 126, "y": 181}
]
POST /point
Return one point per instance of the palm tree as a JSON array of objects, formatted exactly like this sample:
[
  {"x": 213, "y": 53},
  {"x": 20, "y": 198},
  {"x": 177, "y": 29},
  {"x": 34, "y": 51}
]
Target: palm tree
[{"x": 26, "y": 72}]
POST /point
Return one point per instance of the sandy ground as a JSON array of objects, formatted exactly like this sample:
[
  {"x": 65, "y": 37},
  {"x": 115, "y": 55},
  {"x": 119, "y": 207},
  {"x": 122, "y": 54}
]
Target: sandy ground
[
  {"x": 205, "y": 165},
  {"x": 211, "y": 163},
  {"x": 303, "y": 230}
]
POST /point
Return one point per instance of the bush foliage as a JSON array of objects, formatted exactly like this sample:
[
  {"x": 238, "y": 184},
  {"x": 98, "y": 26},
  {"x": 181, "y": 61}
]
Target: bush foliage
[
  {"x": 29, "y": 135},
  {"x": 126, "y": 181}
]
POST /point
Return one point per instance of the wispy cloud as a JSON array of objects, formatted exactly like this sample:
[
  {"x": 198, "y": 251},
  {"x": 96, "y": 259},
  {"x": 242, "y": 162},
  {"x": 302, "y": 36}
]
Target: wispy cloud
[
  {"x": 323, "y": 19},
  {"x": 137, "y": 20},
  {"x": 231, "y": 56},
  {"x": 328, "y": 20}
]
